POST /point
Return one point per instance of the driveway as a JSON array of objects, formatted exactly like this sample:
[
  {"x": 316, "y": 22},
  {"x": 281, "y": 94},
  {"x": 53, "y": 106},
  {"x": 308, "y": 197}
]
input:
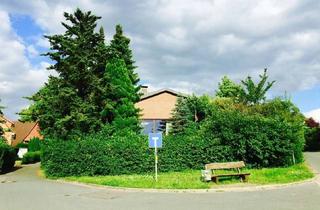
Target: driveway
[{"x": 24, "y": 190}]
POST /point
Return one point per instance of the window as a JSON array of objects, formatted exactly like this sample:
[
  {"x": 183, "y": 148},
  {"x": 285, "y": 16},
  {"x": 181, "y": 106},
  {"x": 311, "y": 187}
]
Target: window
[{"x": 151, "y": 126}]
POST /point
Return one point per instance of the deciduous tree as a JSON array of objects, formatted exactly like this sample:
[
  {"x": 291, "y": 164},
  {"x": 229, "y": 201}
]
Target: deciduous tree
[{"x": 254, "y": 93}]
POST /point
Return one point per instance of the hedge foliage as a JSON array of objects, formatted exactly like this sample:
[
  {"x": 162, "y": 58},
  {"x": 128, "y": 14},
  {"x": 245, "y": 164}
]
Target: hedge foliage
[
  {"x": 31, "y": 157},
  {"x": 227, "y": 135},
  {"x": 95, "y": 155},
  {"x": 34, "y": 145},
  {"x": 8, "y": 157},
  {"x": 312, "y": 139}
]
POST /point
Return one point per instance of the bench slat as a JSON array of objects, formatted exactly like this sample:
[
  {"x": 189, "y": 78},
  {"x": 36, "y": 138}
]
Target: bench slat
[
  {"x": 229, "y": 165},
  {"x": 220, "y": 175}
]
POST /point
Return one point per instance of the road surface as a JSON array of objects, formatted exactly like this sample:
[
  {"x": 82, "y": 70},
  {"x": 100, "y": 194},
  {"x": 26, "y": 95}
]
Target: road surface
[{"x": 24, "y": 190}]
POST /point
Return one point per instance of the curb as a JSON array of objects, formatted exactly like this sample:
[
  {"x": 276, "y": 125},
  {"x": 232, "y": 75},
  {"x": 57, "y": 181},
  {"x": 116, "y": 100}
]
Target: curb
[{"x": 211, "y": 190}]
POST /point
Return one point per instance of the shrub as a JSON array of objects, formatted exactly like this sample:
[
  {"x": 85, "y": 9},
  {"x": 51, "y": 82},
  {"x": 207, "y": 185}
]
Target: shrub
[
  {"x": 259, "y": 141},
  {"x": 312, "y": 136},
  {"x": 31, "y": 157},
  {"x": 123, "y": 153},
  {"x": 227, "y": 136},
  {"x": 7, "y": 157},
  {"x": 183, "y": 152},
  {"x": 34, "y": 145},
  {"x": 21, "y": 145},
  {"x": 263, "y": 135}
]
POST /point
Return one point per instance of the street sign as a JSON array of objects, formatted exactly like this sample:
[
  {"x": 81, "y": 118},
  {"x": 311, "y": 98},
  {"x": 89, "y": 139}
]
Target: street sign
[{"x": 155, "y": 140}]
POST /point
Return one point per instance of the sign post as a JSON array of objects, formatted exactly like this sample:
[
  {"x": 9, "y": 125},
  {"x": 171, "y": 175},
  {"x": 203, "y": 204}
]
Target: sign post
[{"x": 155, "y": 141}]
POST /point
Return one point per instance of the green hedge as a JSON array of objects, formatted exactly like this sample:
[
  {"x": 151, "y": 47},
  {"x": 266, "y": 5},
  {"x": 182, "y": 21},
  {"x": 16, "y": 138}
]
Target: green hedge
[
  {"x": 31, "y": 157},
  {"x": 259, "y": 141},
  {"x": 234, "y": 136},
  {"x": 96, "y": 155},
  {"x": 34, "y": 145},
  {"x": 8, "y": 157},
  {"x": 312, "y": 136},
  {"x": 227, "y": 136}
]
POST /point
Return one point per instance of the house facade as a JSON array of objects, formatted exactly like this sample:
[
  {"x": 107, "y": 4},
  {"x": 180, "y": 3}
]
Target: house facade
[
  {"x": 156, "y": 109},
  {"x": 7, "y": 126},
  {"x": 16, "y": 132}
]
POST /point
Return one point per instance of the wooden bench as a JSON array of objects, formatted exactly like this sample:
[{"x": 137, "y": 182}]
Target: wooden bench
[{"x": 209, "y": 173}]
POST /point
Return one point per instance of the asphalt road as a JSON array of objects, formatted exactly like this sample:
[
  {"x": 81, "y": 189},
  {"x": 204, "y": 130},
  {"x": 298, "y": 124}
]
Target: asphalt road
[{"x": 23, "y": 190}]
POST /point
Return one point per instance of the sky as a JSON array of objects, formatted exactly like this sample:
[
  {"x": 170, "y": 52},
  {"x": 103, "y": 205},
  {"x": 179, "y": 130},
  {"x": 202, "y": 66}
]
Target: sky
[{"x": 184, "y": 45}]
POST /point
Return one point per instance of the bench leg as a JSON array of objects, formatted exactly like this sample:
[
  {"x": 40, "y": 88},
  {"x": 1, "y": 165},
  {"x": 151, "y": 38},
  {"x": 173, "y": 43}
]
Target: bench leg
[
  {"x": 244, "y": 178},
  {"x": 215, "y": 179}
]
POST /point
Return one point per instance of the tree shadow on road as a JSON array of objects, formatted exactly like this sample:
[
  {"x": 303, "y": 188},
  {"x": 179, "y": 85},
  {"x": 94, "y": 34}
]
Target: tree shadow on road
[{"x": 15, "y": 168}]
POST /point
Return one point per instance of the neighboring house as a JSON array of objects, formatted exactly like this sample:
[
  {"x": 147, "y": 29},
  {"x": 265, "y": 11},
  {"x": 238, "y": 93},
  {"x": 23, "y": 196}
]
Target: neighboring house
[
  {"x": 156, "y": 109},
  {"x": 16, "y": 132},
  {"x": 7, "y": 125},
  {"x": 25, "y": 131}
]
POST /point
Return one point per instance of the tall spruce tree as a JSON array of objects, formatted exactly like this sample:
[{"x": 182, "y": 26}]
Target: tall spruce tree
[
  {"x": 189, "y": 112},
  {"x": 94, "y": 86},
  {"x": 120, "y": 48},
  {"x": 123, "y": 113},
  {"x": 70, "y": 103}
]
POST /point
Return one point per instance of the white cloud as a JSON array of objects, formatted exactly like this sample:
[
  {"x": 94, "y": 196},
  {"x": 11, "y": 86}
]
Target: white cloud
[
  {"x": 18, "y": 77},
  {"x": 43, "y": 42},
  {"x": 315, "y": 114},
  {"x": 32, "y": 52},
  {"x": 189, "y": 45}
]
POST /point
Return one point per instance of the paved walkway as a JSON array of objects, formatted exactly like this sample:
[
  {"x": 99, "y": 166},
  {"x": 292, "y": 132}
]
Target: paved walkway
[{"x": 23, "y": 190}]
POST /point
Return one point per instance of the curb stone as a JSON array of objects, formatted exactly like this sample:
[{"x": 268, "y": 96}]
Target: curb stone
[{"x": 221, "y": 189}]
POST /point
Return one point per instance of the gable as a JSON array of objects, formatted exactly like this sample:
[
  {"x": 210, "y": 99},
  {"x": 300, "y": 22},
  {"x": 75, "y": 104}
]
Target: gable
[{"x": 157, "y": 106}]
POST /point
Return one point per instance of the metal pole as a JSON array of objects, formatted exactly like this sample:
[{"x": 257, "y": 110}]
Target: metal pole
[
  {"x": 293, "y": 158},
  {"x": 155, "y": 159}
]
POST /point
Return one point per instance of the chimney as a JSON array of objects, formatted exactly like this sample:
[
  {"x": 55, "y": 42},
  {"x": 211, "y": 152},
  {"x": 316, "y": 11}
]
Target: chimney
[{"x": 144, "y": 89}]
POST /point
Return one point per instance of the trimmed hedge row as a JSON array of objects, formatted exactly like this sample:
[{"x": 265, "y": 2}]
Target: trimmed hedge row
[
  {"x": 8, "y": 157},
  {"x": 233, "y": 136},
  {"x": 95, "y": 155},
  {"x": 34, "y": 145},
  {"x": 227, "y": 136},
  {"x": 31, "y": 157},
  {"x": 312, "y": 136}
]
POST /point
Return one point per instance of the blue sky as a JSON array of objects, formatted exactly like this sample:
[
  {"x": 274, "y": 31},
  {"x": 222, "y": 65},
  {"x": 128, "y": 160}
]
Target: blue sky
[
  {"x": 25, "y": 27},
  {"x": 184, "y": 45}
]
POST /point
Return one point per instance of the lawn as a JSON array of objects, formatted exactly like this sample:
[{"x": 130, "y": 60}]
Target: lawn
[{"x": 190, "y": 179}]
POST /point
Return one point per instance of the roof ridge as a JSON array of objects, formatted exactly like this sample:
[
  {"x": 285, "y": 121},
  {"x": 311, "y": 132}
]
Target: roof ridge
[
  {"x": 4, "y": 117},
  {"x": 157, "y": 92}
]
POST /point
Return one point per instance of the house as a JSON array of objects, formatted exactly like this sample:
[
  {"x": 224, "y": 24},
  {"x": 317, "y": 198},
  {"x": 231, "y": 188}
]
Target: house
[
  {"x": 6, "y": 126},
  {"x": 16, "y": 132},
  {"x": 156, "y": 109},
  {"x": 25, "y": 131}
]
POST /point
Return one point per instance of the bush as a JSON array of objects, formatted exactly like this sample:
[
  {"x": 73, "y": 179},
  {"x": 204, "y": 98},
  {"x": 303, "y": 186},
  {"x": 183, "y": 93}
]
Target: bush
[
  {"x": 257, "y": 140},
  {"x": 34, "y": 145},
  {"x": 312, "y": 136},
  {"x": 227, "y": 136},
  {"x": 21, "y": 145},
  {"x": 263, "y": 135},
  {"x": 8, "y": 157},
  {"x": 31, "y": 157},
  {"x": 97, "y": 155}
]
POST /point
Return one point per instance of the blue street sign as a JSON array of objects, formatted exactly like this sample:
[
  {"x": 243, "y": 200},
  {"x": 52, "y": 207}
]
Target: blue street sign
[{"x": 155, "y": 139}]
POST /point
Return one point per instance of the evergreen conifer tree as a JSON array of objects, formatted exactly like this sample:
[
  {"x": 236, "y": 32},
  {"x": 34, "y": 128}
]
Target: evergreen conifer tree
[
  {"x": 122, "y": 94},
  {"x": 70, "y": 104},
  {"x": 120, "y": 48},
  {"x": 94, "y": 86}
]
